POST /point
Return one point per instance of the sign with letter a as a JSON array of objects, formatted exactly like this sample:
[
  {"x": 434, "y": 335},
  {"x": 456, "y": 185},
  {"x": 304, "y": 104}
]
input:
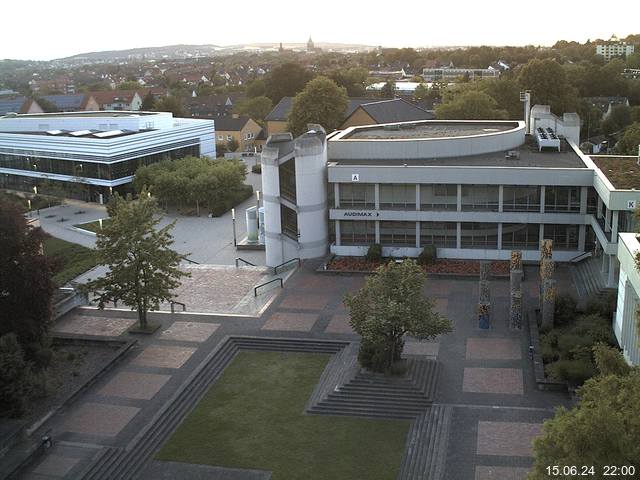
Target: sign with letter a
[{"x": 355, "y": 177}]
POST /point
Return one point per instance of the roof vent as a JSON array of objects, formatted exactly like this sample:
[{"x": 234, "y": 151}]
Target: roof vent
[
  {"x": 512, "y": 155},
  {"x": 392, "y": 127}
]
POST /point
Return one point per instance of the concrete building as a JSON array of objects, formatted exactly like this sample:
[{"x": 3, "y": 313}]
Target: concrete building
[
  {"x": 98, "y": 151},
  {"x": 625, "y": 323},
  {"x": 241, "y": 128},
  {"x": 614, "y": 48},
  {"x": 450, "y": 74}
]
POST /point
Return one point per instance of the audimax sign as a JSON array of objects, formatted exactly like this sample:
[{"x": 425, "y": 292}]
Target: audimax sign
[{"x": 363, "y": 214}]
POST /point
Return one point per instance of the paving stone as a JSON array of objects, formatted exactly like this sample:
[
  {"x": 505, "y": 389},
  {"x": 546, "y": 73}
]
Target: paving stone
[
  {"x": 189, "y": 331},
  {"x": 339, "y": 323},
  {"x": 305, "y": 301},
  {"x": 493, "y": 380},
  {"x": 493, "y": 349},
  {"x": 55, "y": 465},
  {"x": 299, "y": 322},
  {"x": 88, "y": 325},
  {"x": 142, "y": 386},
  {"x": 163, "y": 356},
  {"x": 501, "y": 473},
  {"x": 99, "y": 419},
  {"x": 427, "y": 349},
  {"x": 507, "y": 438}
]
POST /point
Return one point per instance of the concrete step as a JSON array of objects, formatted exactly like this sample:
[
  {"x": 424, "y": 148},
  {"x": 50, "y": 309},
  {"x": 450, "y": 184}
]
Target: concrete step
[
  {"x": 335, "y": 399},
  {"x": 357, "y": 390},
  {"x": 363, "y": 412}
]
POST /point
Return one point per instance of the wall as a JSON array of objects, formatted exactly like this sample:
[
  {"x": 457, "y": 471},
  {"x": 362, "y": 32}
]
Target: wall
[{"x": 358, "y": 117}]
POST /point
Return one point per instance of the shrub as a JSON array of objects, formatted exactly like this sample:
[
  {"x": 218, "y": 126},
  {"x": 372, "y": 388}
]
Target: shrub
[
  {"x": 257, "y": 168},
  {"x": 609, "y": 360},
  {"x": 573, "y": 371},
  {"x": 234, "y": 198},
  {"x": 16, "y": 377},
  {"x": 428, "y": 255},
  {"x": 374, "y": 253},
  {"x": 603, "y": 305},
  {"x": 373, "y": 355},
  {"x": 565, "y": 309},
  {"x": 548, "y": 348},
  {"x": 571, "y": 344},
  {"x": 595, "y": 327}
]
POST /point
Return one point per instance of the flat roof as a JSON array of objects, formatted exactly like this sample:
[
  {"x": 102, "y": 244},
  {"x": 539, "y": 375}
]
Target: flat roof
[
  {"x": 429, "y": 129},
  {"x": 94, "y": 134},
  {"x": 105, "y": 113},
  {"x": 622, "y": 171},
  {"x": 528, "y": 156}
]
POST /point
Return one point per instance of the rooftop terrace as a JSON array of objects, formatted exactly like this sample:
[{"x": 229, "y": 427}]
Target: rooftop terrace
[
  {"x": 430, "y": 129},
  {"x": 622, "y": 171}
]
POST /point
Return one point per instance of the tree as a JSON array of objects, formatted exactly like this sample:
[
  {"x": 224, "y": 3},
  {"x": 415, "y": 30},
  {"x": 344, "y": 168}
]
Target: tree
[
  {"x": 173, "y": 104},
  {"x": 256, "y": 108},
  {"x": 221, "y": 149},
  {"x": 322, "y": 102},
  {"x": 286, "y": 81},
  {"x": 47, "y": 105},
  {"x": 389, "y": 306},
  {"x": 148, "y": 102},
  {"x": 609, "y": 360},
  {"x": 16, "y": 377},
  {"x": 142, "y": 268},
  {"x": 129, "y": 85},
  {"x": 549, "y": 85},
  {"x": 388, "y": 90},
  {"x": 603, "y": 429},
  {"x": 470, "y": 105},
  {"x": 233, "y": 144},
  {"x": 353, "y": 79},
  {"x": 628, "y": 144},
  {"x": 256, "y": 88},
  {"x": 26, "y": 287}
]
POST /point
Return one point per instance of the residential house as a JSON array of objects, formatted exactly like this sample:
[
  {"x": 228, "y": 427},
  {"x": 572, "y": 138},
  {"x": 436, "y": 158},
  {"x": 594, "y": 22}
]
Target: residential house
[
  {"x": 241, "y": 128},
  {"x": 614, "y": 48},
  {"x": 18, "y": 104},
  {"x": 73, "y": 103},
  {"x": 386, "y": 111},
  {"x": 212, "y": 105},
  {"x": 118, "y": 100},
  {"x": 606, "y": 104}
]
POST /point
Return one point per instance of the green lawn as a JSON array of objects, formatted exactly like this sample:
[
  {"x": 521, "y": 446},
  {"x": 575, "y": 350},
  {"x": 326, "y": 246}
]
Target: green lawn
[
  {"x": 253, "y": 418},
  {"x": 71, "y": 259},
  {"x": 93, "y": 226}
]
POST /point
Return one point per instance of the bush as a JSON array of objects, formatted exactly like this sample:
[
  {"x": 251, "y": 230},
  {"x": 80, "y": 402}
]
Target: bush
[
  {"x": 609, "y": 360},
  {"x": 374, "y": 355},
  {"x": 236, "y": 197},
  {"x": 428, "y": 255},
  {"x": 257, "y": 168},
  {"x": 595, "y": 327},
  {"x": 565, "y": 309},
  {"x": 16, "y": 377},
  {"x": 573, "y": 371},
  {"x": 603, "y": 305},
  {"x": 374, "y": 254}
]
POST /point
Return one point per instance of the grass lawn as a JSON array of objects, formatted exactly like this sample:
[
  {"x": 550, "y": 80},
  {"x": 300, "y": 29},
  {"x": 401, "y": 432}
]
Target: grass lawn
[
  {"x": 253, "y": 418},
  {"x": 72, "y": 259},
  {"x": 93, "y": 226}
]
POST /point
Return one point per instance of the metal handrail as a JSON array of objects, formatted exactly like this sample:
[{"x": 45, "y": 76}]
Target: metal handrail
[
  {"x": 275, "y": 269},
  {"x": 189, "y": 260},
  {"x": 173, "y": 303},
  {"x": 255, "y": 289},
  {"x": 577, "y": 258},
  {"x": 238, "y": 259}
]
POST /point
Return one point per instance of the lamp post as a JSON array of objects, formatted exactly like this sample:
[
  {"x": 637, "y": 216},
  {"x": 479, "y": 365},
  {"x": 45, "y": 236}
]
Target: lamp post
[
  {"x": 233, "y": 221},
  {"x": 258, "y": 214},
  {"x": 100, "y": 222}
]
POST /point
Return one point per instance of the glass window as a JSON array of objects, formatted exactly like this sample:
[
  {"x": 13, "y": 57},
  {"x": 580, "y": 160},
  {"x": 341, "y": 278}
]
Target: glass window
[
  {"x": 287, "y": 176},
  {"x": 520, "y": 198},
  {"x": 398, "y": 234},
  {"x": 289, "y": 219},
  {"x": 592, "y": 201},
  {"x": 524, "y": 236},
  {"x": 562, "y": 199},
  {"x": 440, "y": 234},
  {"x": 480, "y": 197},
  {"x": 353, "y": 232},
  {"x": 565, "y": 237},
  {"x": 397, "y": 196},
  {"x": 357, "y": 195},
  {"x": 439, "y": 197},
  {"x": 479, "y": 235}
]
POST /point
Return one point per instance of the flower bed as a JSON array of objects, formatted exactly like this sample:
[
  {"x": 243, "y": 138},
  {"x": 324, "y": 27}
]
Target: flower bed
[{"x": 441, "y": 266}]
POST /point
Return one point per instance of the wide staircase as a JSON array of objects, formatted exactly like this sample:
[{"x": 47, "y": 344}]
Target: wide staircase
[{"x": 589, "y": 280}]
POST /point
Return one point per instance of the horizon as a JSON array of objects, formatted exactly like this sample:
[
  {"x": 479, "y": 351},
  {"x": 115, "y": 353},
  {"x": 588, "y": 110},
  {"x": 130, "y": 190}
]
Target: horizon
[{"x": 351, "y": 25}]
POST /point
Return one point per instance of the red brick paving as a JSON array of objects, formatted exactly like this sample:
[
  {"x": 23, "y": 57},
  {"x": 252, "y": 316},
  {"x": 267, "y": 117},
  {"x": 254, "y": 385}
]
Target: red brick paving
[
  {"x": 493, "y": 380},
  {"x": 493, "y": 349},
  {"x": 141, "y": 386},
  {"x": 99, "y": 419},
  {"x": 298, "y": 322},
  {"x": 339, "y": 324},
  {"x": 305, "y": 301},
  {"x": 501, "y": 473},
  {"x": 507, "y": 438}
]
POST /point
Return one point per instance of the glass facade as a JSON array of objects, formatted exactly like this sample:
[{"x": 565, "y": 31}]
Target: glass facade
[
  {"x": 562, "y": 199},
  {"x": 479, "y": 235},
  {"x": 357, "y": 233},
  {"x": 439, "y": 234},
  {"x": 525, "y": 236},
  {"x": 439, "y": 197},
  {"x": 287, "y": 176},
  {"x": 565, "y": 237},
  {"x": 520, "y": 198},
  {"x": 398, "y": 234},
  {"x": 480, "y": 198},
  {"x": 397, "y": 196},
  {"x": 357, "y": 195},
  {"x": 289, "y": 219}
]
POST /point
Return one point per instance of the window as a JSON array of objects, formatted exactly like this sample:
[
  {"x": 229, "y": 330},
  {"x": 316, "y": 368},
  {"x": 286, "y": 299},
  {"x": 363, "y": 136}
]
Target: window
[
  {"x": 357, "y": 195},
  {"x": 353, "y": 232},
  {"x": 592, "y": 202},
  {"x": 480, "y": 197},
  {"x": 565, "y": 237},
  {"x": 479, "y": 235},
  {"x": 562, "y": 199},
  {"x": 398, "y": 234},
  {"x": 438, "y": 197},
  {"x": 287, "y": 175},
  {"x": 519, "y": 198},
  {"x": 229, "y": 137},
  {"x": 221, "y": 138},
  {"x": 397, "y": 196},
  {"x": 524, "y": 236},
  {"x": 289, "y": 222},
  {"x": 439, "y": 234}
]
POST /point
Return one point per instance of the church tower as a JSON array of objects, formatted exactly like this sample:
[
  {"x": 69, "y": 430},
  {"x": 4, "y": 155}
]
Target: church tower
[{"x": 310, "y": 46}]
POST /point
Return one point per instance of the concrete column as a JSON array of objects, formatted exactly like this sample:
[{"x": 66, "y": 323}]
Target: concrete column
[
  {"x": 459, "y": 199},
  {"x": 500, "y": 202},
  {"x": 417, "y": 196},
  {"x": 607, "y": 221},
  {"x": 377, "y": 231},
  {"x": 583, "y": 200},
  {"x": 338, "y": 234},
  {"x": 336, "y": 194},
  {"x": 600, "y": 204},
  {"x": 541, "y": 235},
  {"x": 614, "y": 226},
  {"x": 605, "y": 263},
  {"x": 582, "y": 236},
  {"x": 500, "y": 230},
  {"x": 376, "y": 195},
  {"x": 611, "y": 277},
  {"x": 417, "y": 234},
  {"x": 542, "y": 194},
  {"x": 458, "y": 232}
]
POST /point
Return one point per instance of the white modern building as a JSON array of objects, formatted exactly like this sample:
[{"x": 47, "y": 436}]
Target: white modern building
[
  {"x": 626, "y": 320},
  {"x": 450, "y": 74},
  {"x": 612, "y": 49},
  {"x": 100, "y": 149}
]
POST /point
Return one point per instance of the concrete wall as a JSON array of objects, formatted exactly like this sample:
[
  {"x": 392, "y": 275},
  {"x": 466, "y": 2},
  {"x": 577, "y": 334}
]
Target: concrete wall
[{"x": 625, "y": 321}]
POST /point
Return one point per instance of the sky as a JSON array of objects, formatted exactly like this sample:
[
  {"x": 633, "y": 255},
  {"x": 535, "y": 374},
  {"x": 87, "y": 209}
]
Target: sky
[{"x": 44, "y": 30}]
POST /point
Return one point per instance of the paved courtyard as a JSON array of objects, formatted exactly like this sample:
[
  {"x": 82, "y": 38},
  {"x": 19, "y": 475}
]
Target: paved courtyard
[{"x": 486, "y": 376}]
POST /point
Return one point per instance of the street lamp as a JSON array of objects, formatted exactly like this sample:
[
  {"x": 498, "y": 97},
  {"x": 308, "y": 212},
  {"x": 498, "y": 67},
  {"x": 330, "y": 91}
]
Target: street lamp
[
  {"x": 35, "y": 189},
  {"x": 233, "y": 220}
]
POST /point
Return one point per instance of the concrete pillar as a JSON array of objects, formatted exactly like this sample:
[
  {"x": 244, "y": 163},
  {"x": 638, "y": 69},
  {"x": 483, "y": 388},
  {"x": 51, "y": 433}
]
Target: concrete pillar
[
  {"x": 458, "y": 233},
  {"x": 611, "y": 276},
  {"x": 607, "y": 221},
  {"x": 515, "y": 310},
  {"x": 499, "y": 236},
  {"x": 377, "y": 231},
  {"x": 541, "y": 234},
  {"x": 459, "y": 204},
  {"x": 584, "y": 191},
  {"x": 600, "y": 204},
  {"x": 338, "y": 234},
  {"x": 605, "y": 263},
  {"x": 542, "y": 194},
  {"x": 614, "y": 226},
  {"x": 376, "y": 195},
  {"x": 500, "y": 202},
  {"x": 417, "y": 196},
  {"x": 417, "y": 234},
  {"x": 274, "y": 248},
  {"x": 582, "y": 237},
  {"x": 336, "y": 194}
]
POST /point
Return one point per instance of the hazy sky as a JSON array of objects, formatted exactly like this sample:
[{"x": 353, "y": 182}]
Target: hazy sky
[{"x": 44, "y": 29}]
